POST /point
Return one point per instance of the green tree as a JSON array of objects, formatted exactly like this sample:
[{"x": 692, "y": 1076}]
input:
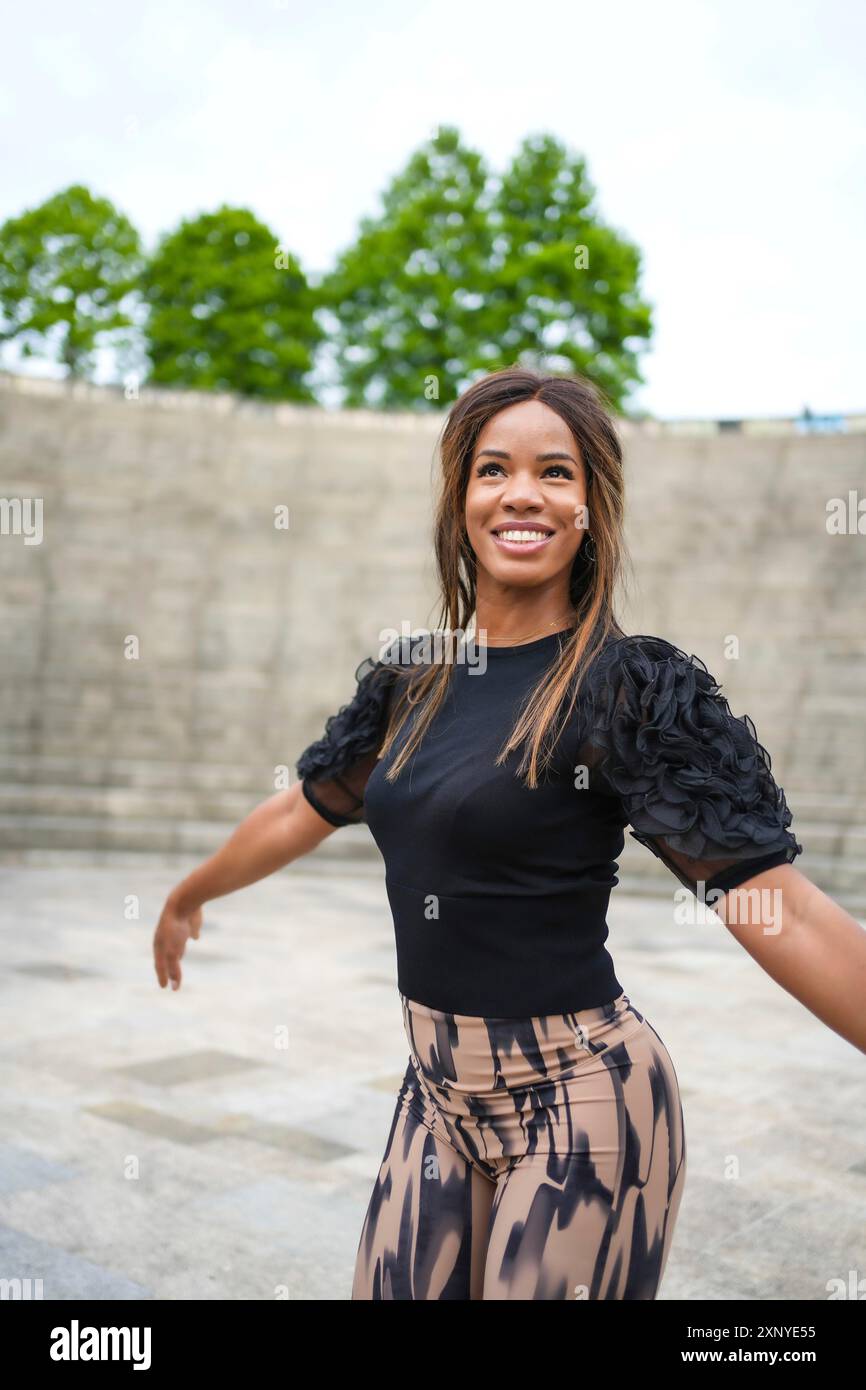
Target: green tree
[
  {"x": 463, "y": 273},
  {"x": 67, "y": 269},
  {"x": 229, "y": 309},
  {"x": 405, "y": 294},
  {"x": 562, "y": 288}
]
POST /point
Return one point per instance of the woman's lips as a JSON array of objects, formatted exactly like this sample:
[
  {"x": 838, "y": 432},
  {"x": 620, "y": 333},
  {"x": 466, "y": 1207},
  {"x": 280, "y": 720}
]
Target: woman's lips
[{"x": 521, "y": 547}]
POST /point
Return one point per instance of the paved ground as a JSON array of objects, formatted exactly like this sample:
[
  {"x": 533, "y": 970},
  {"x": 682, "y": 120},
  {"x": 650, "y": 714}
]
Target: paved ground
[{"x": 221, "y": 1142}]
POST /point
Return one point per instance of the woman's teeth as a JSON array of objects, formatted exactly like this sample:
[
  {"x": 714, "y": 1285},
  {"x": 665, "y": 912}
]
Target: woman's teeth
[{"x": 523, "y": 535}]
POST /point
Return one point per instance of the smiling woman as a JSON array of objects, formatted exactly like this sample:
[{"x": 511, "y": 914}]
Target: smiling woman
[
  {"x": 537, "y": 1148},
  {"x": 540, "y": 507}
]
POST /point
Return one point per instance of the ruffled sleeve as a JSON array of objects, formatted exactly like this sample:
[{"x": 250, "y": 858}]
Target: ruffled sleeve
[
  {"x": 693, "y": 780},
  {"x": 334, "y": 769}
]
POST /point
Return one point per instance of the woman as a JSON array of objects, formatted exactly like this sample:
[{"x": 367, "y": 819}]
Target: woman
[{"x": 537, "y": 1147}]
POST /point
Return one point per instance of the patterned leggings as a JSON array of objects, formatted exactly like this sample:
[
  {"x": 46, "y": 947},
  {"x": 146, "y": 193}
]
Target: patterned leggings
[{"x": 538, "y": 1158}]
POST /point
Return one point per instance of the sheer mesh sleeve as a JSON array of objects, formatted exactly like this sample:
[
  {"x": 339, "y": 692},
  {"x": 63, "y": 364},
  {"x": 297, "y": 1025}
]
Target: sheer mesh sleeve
[
  {"x": 334, "y": 769},
  {"x": 693, "y": 780}
]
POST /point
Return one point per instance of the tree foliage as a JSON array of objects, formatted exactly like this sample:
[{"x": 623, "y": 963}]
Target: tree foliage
[
  {"x": 562, "y": 288},
  {"x": 463, "y": 274},
  {"x": 406, "y": 294},
  {"x": 66, "y": 270},
  {"x": 460, "y": 273},
  {"x": 229, "y": 309}
]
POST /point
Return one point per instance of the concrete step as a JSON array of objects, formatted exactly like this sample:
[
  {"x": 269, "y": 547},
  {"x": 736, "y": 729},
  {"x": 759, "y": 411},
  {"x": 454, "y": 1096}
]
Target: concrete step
[
  {"x": 809, "y": 803},
  {"x": 812, "y": 805},
  {"x": 353, "y": 851},
  {"x": 213, "y": 802},
  {"x": 114, "y": 805},
  {"x": 174, "y": 743},
  {"x": 343, "y": 862},
  {"x": 78, "y": 771},
  {"x": 842, "y": 877},
  {"x": 125, "y": 803},
  {"x": 99, "y": 833},
  {"x": 110, "y": 676},
  {"x": 77, "y": 706}
]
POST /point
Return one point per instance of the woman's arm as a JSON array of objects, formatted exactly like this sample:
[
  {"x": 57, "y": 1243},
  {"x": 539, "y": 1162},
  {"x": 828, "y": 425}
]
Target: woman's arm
[
  {"x": 281, "y": 829},
  {"x": 806, "y": 942}
]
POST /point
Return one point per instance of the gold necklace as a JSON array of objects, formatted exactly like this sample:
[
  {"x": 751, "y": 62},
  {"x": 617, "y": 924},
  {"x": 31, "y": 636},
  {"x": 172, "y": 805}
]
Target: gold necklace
[{"x": 526, "y": 636}]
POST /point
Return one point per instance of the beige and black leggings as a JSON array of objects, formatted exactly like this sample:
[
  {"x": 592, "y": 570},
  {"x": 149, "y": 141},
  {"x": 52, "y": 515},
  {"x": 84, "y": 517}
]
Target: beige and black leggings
[{"x": 538, "y": 1158}]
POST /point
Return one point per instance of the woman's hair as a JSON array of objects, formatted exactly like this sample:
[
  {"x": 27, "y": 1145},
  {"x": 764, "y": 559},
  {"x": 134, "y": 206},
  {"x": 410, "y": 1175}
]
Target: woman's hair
[{"x": 591, "y": 586}]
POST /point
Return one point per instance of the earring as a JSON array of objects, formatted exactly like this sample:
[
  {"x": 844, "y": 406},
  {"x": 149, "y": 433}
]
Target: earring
[{"x": 591, "y": 555}]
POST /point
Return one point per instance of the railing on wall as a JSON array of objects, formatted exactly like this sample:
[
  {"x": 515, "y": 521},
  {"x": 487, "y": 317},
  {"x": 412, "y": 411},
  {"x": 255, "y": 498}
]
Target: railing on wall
[{"x": 222, "y": 402}]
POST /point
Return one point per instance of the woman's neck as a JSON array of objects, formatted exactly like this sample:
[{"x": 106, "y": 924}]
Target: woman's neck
[{"x": 509, "y": 629}]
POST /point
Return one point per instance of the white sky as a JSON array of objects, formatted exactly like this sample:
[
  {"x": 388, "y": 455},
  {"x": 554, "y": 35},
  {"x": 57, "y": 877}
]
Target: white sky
[{"x": 726, "y": 139}]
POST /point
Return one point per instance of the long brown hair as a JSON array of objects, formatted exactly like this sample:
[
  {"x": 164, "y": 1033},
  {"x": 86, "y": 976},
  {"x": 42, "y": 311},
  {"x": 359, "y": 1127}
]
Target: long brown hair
[{"x": 591, "y": 586}]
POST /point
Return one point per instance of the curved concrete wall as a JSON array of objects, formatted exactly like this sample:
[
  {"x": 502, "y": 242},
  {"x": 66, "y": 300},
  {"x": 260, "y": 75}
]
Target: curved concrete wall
[{"x": 158, "y": 525}]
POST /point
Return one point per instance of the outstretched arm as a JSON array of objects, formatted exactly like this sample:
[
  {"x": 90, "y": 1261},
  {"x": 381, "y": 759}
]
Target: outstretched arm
[
  {"x": 333, "y": 773},
  {"x": 697, "y": 786},
  {"x": 281, "y": 829},
  {"x": 806, "y": 942}
]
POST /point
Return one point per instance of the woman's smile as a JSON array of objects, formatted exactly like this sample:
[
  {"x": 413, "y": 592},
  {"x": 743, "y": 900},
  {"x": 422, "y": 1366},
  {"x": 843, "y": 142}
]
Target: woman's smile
[{"x": 526, "y": 539}]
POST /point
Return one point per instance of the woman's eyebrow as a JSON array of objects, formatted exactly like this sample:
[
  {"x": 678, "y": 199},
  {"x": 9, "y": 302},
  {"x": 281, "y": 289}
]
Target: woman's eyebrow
[{"x": 539, "y": 458}]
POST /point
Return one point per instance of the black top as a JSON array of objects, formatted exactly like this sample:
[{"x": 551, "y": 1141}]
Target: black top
[{"x": 499, "y": 892}]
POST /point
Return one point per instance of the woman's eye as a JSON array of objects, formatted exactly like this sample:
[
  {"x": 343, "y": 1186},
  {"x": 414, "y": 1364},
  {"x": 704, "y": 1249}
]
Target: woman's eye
[{"x": 561, "y": 468}]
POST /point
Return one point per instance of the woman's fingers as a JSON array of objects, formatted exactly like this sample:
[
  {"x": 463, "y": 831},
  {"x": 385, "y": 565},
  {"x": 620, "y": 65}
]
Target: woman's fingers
[
  {"x": 167, "y": 959},
  {"x": 169, "y": 943},
  {"x": 163, "y": 961},
  {"x": 174, "y": 970}
]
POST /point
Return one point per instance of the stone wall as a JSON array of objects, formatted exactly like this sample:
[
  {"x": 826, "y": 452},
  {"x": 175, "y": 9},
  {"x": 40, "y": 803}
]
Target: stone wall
[{"x": 158, "y": 525}]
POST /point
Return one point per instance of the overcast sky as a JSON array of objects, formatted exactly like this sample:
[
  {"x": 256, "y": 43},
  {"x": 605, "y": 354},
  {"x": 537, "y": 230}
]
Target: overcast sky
[{"x": 726, "y": 139}]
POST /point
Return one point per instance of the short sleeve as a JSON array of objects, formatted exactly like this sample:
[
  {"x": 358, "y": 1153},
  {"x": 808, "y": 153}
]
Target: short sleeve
[
  {"x": 334, "y": 769},
  {"x": 693, "y": 780}
]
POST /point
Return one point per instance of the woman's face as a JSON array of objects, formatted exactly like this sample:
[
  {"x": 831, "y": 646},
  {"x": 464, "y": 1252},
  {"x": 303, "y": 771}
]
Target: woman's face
[{"x": 526, "y": 475}]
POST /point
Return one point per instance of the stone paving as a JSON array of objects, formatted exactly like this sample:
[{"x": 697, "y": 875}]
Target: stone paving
[{"x": 222, "y": 1141}]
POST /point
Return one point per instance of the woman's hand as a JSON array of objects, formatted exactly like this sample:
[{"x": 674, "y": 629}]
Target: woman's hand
[
  {"x": 173, "y": 930},
  {"x": 274, "y": 833}
]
